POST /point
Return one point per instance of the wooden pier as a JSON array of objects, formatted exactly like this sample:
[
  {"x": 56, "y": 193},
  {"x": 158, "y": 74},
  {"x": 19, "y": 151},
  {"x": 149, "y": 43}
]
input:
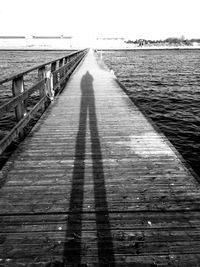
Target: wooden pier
[{"x": 94, "y": 184}]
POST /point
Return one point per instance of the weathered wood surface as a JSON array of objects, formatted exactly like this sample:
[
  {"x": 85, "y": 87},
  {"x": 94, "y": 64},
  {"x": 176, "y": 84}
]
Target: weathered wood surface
[{"x": 95, "y": 184}]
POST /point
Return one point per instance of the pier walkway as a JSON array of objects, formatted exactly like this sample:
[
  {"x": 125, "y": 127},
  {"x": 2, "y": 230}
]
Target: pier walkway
[{"x": 94, "y": 184}]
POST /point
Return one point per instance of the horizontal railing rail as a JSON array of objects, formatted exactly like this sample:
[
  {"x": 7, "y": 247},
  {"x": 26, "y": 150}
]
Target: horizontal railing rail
[
  {"x": 66, "y": 58},
  {"x": 52, "y": 76}
]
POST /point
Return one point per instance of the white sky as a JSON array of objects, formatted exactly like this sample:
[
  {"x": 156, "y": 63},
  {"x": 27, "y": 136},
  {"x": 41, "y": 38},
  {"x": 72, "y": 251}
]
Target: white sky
[{"x": 153, "y": 19}]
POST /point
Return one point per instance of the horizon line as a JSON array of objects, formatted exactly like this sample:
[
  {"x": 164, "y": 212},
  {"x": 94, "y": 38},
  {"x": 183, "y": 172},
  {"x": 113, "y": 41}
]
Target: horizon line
[{"x": 97, "y": 37}]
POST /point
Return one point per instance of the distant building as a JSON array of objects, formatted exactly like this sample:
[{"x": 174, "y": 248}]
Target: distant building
[
  {"x": 12, "y": 37},
  {"x": 52, "y": 37},
  {"x": 142, "y": 42},
  {"x": 36, "y": 42}
]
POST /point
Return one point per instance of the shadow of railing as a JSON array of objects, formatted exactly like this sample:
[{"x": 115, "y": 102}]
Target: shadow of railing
[{"x": 72, "y": 247}]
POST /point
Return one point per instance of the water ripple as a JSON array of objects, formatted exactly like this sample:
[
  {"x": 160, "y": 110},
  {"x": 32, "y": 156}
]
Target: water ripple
[{"x": 166, "y": 85}]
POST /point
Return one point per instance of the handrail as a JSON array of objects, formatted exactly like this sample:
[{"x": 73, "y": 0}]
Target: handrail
[
  {"x": 14, "y": 101},
  {"x": 61, "y": 69},
  {"x": 17, "y": 75}
]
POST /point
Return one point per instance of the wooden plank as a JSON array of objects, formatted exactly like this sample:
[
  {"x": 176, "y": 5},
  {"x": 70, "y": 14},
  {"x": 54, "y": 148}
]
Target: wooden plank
[
  {"x": 137, "y": 221},
  {"x": 51, "y": 206},
  {"x": 41, "y": 76},
  {"x": 46, "y": 247}
]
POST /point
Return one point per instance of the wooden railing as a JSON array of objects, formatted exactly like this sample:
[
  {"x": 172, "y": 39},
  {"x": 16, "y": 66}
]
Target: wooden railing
[{"x": 51, "y": 79}]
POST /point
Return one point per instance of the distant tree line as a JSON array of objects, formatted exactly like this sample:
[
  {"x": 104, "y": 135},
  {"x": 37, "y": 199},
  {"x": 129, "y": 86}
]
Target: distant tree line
[{"x": 169, "y": 41}]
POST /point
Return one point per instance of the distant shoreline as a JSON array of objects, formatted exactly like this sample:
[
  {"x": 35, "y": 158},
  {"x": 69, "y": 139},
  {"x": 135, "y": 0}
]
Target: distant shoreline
[
  {"x": 107, "y": 49},
  {"x": 153, "y": 48},
  {"x": 37, "y": 49}
]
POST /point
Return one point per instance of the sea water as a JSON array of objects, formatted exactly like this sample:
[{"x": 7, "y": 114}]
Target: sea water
[{"x": 166, "y": 85}]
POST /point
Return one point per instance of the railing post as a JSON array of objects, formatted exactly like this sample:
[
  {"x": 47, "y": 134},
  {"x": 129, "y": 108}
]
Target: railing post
[
  {"x": 20, "y": 110},
  {"x": 41, "y": 76},
  {"x": 53, "y": 66},
  {"x": 49, "y": 83},
  {"x": 65, "y": 62},
  {"x": 61, "y": 62},
  {"x": 68, "y": 59},
  {"x": 60, "y": 74}
]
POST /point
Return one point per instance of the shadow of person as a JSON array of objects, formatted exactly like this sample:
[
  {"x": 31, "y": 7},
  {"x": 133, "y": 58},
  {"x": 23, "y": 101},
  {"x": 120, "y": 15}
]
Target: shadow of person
[{"x": 72, "y": 248}]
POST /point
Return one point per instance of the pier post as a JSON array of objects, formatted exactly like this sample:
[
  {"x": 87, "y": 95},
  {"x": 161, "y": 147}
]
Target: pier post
[
  {"x": 66, "y": 60},
  {"x": 41, "y": 75},
  {"x": 60, "y": 74},
  {"x": 53, "y": 68},
  {"x": 20, "y": 110},
  {"x": 61, "y": 63}
]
